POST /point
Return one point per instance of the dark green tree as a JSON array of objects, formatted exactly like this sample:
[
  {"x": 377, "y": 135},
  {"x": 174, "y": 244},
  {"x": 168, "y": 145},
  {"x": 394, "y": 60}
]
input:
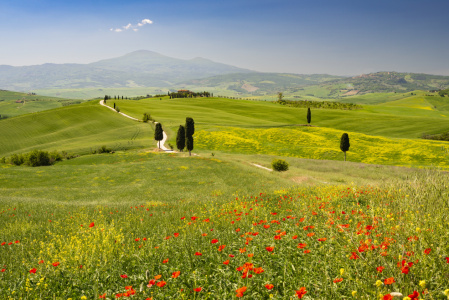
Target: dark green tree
[
  {"x": 309, "y": 115},
  {"x": 158, "y": 134},
  {"x": 181, "y": 138},
  {"x": 344, "y": 143},
  {"x": 190, "y": 130}
]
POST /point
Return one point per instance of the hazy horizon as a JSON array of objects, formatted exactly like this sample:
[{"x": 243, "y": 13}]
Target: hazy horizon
[{"x": 286, "y": 36}]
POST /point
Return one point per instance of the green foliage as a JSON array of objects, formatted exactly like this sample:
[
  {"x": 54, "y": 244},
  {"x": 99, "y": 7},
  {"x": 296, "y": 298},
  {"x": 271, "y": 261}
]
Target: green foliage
[
  {"x": 309, "y": 115},
  {"x": 279, "y": 165},
  {"x": 36, "y": 158},
  {"x": 158, "y": 132},
  {"x": 344, "y": 143},
  {"x": 104, "y": 149},
  {"x": 117, "y": 109},
  {"x": 17, "y": 159},
  {"x": 146, "y": 117},
  {"x": 189, "y": 127},
  {"x": 190, "y": 130},
  {"x": 189, "y": 143},
  {"x": 319, "y": 104},
  {"x": 181, "y": 138}
]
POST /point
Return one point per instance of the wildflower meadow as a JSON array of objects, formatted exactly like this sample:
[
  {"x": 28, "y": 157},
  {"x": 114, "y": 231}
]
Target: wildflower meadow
[{"x": 322, "y": 242}]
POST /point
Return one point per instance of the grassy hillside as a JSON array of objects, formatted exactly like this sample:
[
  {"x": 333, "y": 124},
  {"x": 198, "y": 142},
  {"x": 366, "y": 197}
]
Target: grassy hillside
[
  {"x": 76, "y": 129},
  {"x": 388, "y": 121},
  {"x": 15, "y": 103}
]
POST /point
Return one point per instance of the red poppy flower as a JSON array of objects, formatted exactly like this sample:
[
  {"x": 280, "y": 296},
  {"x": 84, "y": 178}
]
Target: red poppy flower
[
  {"x": 3, "y": 270},
  {"x": 198, "y": 289},
  {"x": 55, "y": 264},
  {"x": 388, "y": 297},
  {"x": 311, "y": 234},
  {"x": 161, "y": 283},
  {"x": 270, "y": 249},
  {"x": 277, "y": 237},
  {"x": 405, "y": 270},
  {"x": 124, "y": 276},
  {"x": 338, "y": 280},
  {"x": 231, "y": 255},
  {"x": 151, "y": 283},
  {"x": 240, "y": 291},
  {"x": 258, "y": 270},
  {"x": 221, "y": 247},
  {"x": 41, "y": 261},
  {"x": 389, "y": 280},
  {"x": 322, "y": 239},
  {"x": 415, "y": 295},
  {"x": 176, "y": 234},
  {"x": 226, "y": 262},
  {"x": 33, "y": 271},
  {"x": 4, "y": 243},
  {"x": 427, "y": 251},
  {"x": 294, "y": 237},
  {"x": 301, "y": 245},
  {"x": 92, "y": 224},
  {"x": 198, "y": 253},
  {"x": 165, "y": 261},
  {"x": 354, "y": 256},
  {"x": 266, "y": 226},
  {"x": 301, "y": 292},
  {"x": 447, "y": 259},
  {"x": 380, "y": 269},
  {"x": 17, "y": 242},
  {"x": 306, "y": 251},
  {"x": 175, "y": 274},
  {"x": 269, "y": 286},
  {"x": 214, "y": 241}
]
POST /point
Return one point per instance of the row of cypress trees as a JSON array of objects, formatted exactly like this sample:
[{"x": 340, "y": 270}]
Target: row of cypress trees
[{"x": 184, "y": 137}]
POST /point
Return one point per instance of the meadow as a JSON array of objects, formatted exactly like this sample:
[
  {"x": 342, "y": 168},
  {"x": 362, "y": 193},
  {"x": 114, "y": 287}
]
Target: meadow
[
  {"x": 156, "y": 226},
  {"x": 149, "y": 225}
]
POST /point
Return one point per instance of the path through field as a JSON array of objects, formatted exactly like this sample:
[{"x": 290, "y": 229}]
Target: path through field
[{"x": 125, "y": 115}]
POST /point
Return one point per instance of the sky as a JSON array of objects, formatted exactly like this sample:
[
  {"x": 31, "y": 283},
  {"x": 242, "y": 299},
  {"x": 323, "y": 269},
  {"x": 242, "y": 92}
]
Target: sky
[{"x": 344, "y": 37}]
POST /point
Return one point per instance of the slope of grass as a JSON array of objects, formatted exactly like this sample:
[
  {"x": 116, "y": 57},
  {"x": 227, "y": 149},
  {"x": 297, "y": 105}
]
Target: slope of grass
[
  {"x": 388, "y": 121},
  {"x": 29, "y": 103},
  {"x": 323, "y": 143},
  {"x": 76, "y": 129}
]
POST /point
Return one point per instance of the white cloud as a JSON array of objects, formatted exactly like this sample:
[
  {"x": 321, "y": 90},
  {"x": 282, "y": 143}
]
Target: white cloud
[{"x": 133, "y": 27}]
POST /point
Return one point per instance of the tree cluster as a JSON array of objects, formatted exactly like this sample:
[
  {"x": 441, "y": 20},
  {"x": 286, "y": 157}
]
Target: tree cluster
[
  {"x": 189, "y": 94},
  {"x": 184, "y": 137}
]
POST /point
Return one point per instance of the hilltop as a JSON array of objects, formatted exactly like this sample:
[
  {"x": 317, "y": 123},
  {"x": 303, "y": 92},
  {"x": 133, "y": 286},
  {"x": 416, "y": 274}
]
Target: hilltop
[{"x": 139, "y": 68}]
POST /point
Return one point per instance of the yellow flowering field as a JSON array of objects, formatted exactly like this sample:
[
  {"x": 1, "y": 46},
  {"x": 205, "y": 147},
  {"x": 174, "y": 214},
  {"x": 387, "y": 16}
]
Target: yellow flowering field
[{"x": 324, "y": 143}]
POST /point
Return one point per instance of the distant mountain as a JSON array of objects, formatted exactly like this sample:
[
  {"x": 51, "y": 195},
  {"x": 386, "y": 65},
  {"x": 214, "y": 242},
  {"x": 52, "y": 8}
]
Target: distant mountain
[
  {"x": 140, "y": 68},
  {"x": 260, "y": 83},
  {"x": 318, "y": 85}
]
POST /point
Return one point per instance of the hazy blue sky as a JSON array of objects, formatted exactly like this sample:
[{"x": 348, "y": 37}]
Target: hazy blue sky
[{"x": 344, "y": 37}]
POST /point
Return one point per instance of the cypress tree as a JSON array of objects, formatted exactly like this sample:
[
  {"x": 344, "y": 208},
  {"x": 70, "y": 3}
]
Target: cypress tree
[
  {"x": 309, "y": 115},
  {"x": 158, "y": 134},
  {"x": 190, "y": 130},
  {"x": 344, "y": 143},
  {"x": 181, "y": 138}
]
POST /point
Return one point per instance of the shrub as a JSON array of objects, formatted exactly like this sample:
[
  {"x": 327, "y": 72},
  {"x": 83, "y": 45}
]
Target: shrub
[
  {"x": 279, "y": 165},
  {"x": 38, "y": 158},
  {"x": 104, "y": 149},
  {"x": 16, "y": 159}
]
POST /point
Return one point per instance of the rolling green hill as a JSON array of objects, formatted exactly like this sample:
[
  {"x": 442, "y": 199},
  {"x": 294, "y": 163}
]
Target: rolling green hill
[
  {"x": 15, "y": 103},
  {"x": 76, "y": 129}
]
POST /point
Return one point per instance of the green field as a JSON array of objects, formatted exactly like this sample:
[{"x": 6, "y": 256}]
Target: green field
[
  {"x": 14, "y": 103},
  {"x": 77, "y": 129},
  {"x": 150, "y": 225}
]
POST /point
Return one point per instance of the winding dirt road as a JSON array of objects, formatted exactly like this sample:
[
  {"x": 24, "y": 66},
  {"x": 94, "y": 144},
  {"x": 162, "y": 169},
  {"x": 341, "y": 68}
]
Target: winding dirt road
[{"x": 163, "y": 147}]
